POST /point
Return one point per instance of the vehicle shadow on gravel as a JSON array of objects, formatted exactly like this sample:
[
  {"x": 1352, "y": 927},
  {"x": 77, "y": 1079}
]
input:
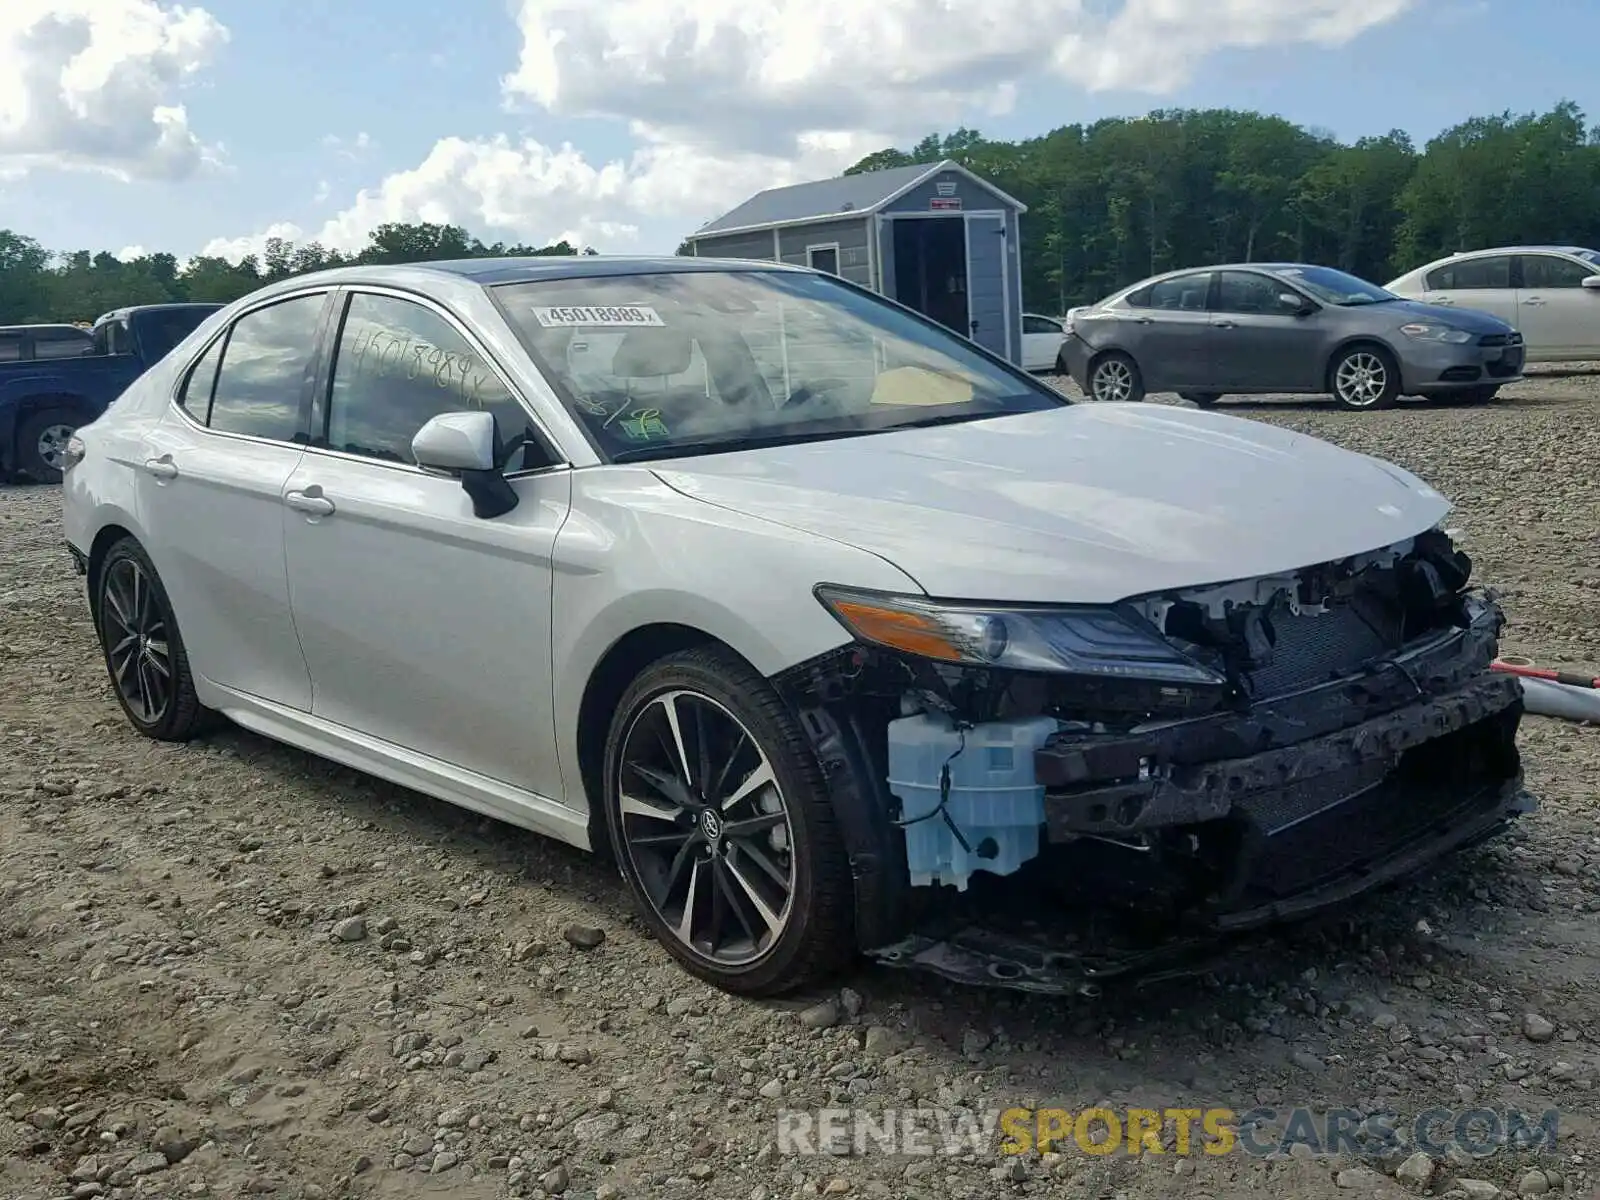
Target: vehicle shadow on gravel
[{"x": 1317, "y": 966}]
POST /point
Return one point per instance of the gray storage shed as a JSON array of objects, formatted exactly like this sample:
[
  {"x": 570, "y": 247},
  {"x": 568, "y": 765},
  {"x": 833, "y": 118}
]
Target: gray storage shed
[{"x": 937, "y": 238}]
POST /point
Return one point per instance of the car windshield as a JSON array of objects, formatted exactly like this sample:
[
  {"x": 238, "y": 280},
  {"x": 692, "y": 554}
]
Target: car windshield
[
  {"x": 685, "y": 362},
  {"x": 1591, "y": 255},
  {"x": 1335, "y": 287}
]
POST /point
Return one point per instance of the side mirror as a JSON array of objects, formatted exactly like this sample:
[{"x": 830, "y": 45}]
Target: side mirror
[
  {"x": 463, "y": 443},
  {"x": 1293, "y": 304},
  {"x": 1592, "y": 282}
]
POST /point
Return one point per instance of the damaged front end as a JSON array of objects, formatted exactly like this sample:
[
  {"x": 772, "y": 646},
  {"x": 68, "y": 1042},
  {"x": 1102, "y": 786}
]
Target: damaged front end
[{"x": 1202, "y": 762}]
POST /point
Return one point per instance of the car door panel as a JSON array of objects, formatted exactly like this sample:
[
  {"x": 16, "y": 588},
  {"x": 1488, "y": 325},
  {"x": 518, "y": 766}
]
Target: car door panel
[
  {"x": 212, "y": 478},
  {"x": 1485, "y": 284},
  {"x": 1259, "y": 346},
  {"x": 1170, "y": 337},
  {"x": 218, "y": 502},
  {"x": 460, "y": 670},
  {"x": 1558, "y": 316}
]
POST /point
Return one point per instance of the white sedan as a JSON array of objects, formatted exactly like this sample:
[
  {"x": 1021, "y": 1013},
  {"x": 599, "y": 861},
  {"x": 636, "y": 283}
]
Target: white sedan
[
  {"x": 1041, "y": 341},
  {"x": 1550, "y": 294},
  {"x": 793, "y": 602}
]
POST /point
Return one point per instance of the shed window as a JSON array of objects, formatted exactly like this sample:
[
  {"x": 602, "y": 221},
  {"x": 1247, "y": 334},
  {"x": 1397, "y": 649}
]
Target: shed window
[{"x": 823, "y": 258}]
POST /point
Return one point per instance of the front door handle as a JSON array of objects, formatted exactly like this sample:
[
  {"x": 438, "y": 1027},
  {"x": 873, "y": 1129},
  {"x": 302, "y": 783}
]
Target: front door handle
[
  {"x": 1225, "y": 324},
  {"x": 311, "y": 502},
  {"x": 1533, "y": 300},
  {"x": 161, "y": 468}
]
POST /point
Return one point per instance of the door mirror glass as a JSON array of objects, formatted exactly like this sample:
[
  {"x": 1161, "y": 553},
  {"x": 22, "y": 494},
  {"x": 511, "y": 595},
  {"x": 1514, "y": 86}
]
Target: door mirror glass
[
  {"x": 456, "y": 441},
  {"x": 1592, "y": 281}
]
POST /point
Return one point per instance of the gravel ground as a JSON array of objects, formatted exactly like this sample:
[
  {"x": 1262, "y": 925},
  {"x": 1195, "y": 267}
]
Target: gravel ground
[{"x": 229, "y": 969}]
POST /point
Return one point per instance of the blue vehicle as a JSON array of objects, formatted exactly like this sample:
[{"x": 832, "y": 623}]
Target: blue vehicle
[{"x": 44, "y": 399}]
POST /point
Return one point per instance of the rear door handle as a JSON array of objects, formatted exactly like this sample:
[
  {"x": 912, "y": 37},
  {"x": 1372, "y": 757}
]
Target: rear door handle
[
  {"x": 161, "y": 468},
  {"x": 312, "y": 503},
  {"x": 1533, "y": 300},
  {"x": 1225, "y": 324}
]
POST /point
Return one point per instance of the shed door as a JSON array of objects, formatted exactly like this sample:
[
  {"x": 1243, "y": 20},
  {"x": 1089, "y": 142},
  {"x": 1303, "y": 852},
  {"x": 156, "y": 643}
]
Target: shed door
[{"x": 986, "y": 283}]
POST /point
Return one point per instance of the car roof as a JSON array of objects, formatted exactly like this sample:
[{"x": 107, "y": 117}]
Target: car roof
[{"x": 1488, "y": 250}]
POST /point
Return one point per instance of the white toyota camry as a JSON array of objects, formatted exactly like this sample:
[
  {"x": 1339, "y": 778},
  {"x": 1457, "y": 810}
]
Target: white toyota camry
[{"x": 835, "y": 631}]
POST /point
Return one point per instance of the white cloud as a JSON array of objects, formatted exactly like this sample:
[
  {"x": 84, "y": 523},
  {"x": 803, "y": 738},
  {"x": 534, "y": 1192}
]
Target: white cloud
[
  {"x": 724, "y": 98},
  {"x": 129, "y": 253},
  {"x": 92, "y": 85},
  {"x": 527, "y": 191},
  {"x": 355, "y": 148},
  {"x": 754, "y": 77}
]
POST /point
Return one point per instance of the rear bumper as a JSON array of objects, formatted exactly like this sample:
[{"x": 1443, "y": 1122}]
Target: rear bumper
[
  {"x": 1073, "y": 357},
  {"x": 1436, "y": 368}
]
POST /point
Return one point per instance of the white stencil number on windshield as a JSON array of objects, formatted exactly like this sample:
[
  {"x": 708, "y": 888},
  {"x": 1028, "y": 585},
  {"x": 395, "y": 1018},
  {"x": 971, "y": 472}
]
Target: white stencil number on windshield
[{"x": 622, "y": 316}]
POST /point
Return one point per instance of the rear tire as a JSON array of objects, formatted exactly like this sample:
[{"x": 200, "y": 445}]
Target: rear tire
[
  {"x": 41, "y": 439},
  {"x": 143, "y": 649},
  {"x": 727, "y": 839},
  {"x": 1364, "y": 378},
  {"x": 1114, "y": 379},
  {"x": 1200, "y": 399}
]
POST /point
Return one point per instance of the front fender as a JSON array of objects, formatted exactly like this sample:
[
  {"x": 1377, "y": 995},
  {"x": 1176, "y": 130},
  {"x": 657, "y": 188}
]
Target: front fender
[{"x": 635, "y": 553}]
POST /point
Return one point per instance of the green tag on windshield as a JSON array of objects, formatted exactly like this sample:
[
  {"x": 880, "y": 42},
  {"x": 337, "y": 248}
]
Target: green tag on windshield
[{"x": 645, "y": 425}]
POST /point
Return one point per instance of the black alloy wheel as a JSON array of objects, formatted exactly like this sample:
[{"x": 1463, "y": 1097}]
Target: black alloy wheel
[
  {"x": 721, "y": 827},
  {"x": 144, "y": 652}
]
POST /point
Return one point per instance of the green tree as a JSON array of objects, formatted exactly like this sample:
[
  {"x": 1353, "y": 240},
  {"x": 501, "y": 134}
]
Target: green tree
[
  {"x": 81, "y": 285},
  {"x": 1112, "y": 202}
]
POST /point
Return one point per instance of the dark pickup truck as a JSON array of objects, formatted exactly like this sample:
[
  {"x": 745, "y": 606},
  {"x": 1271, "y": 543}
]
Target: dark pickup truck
[{"x": 43, "y": 400}]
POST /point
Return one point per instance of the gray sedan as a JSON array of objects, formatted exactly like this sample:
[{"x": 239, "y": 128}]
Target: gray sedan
[{"x": 1284, "y": 327}]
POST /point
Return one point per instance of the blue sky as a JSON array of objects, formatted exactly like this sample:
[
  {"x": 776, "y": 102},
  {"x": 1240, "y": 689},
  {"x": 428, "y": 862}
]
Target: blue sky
[{"x": 317, "y": 120}]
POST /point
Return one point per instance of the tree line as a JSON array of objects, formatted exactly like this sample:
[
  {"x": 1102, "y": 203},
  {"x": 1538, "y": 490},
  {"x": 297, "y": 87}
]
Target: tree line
[
  {"x": 38, "y": 286},
  {"x": 1108, "y": 203},
  {"x": 1114, "y": 201}
]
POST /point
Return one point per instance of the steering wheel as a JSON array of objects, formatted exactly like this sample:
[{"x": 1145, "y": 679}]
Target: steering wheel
[{"x": 807, "y": 392}]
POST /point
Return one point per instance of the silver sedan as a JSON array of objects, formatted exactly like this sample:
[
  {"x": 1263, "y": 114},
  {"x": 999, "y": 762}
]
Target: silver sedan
[
  {"x": 1284, "y": 327},
  {"x": 803, "y": 608}
]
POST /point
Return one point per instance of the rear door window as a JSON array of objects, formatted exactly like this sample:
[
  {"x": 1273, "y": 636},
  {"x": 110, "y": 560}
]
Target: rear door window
[
  {"x": 267, "y": 366},
  {"x": 1475, "y": 274},
  {"x": 1186, "y": 293}
]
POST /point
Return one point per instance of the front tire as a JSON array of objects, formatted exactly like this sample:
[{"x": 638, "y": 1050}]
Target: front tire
[
  {"x": 721, "y": 824},
  {"x": 1365, "y": 378},
  {"x": 143, "y": 648},
  {"x": 1114, "y": 379},
  {"x": 42, "y": 442}
]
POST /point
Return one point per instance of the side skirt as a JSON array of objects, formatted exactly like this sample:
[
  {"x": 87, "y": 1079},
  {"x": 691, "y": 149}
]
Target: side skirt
[{"x": 396, "y": 764}]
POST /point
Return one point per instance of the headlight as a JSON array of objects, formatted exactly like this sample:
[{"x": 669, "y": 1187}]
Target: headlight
[
  {"x": 1084, "y": 641},
  {"x": 1424, "y": 332}
]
